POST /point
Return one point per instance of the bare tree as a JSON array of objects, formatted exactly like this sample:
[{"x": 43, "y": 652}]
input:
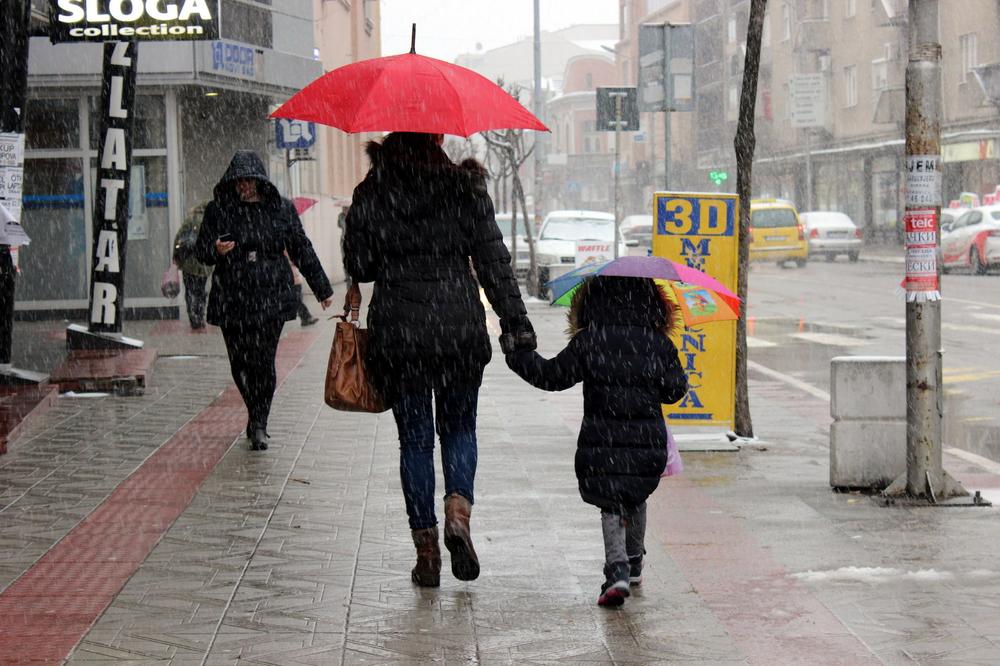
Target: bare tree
[
  {"x": 499, "y": 172},
  {"x": 510, "y": 149},
  {"x": 459, "y": 149},
  {"x": 744, "y": 144}
]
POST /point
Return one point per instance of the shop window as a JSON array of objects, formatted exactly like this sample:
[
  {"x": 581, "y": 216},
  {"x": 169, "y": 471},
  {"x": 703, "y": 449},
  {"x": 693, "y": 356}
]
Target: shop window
[
  {"x": 149, "y": 241},
  {"x": 56, "y": 264},
  {"x": 246, "y": 23},
  {"x": 149, "y": 129},
  {"x": 52, "y": 123}
]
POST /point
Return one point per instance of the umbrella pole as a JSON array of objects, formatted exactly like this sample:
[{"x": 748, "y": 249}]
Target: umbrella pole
[{"x": 413, "y": 38}]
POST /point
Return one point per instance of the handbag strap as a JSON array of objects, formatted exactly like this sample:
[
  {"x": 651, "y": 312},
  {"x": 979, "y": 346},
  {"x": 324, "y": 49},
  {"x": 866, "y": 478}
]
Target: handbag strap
[{"x": 352, "y": 303}]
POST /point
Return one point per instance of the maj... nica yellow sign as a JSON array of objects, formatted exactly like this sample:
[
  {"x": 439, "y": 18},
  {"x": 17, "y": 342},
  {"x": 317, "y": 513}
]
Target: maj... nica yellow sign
[{"x": 700, "y": 230}]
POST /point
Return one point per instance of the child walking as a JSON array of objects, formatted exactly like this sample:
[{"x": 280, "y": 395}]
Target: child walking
[{"x": 619, "y": 349}]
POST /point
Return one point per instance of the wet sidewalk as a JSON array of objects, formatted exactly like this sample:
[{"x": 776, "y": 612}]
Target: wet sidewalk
[{"x": 141, "y": 530}]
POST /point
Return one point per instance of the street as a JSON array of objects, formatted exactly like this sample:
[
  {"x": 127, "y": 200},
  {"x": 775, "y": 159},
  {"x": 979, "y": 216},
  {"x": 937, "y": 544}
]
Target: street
[{"x": 802, "y": 318}]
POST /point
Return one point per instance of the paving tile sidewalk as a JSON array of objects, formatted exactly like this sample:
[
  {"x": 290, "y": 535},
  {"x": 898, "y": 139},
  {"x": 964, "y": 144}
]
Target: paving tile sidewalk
[{"x": 302, "y": 554}]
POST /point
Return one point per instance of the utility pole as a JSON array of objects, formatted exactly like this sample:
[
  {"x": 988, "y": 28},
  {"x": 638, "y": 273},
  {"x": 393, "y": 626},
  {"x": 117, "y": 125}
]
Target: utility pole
[
  {"x": 618, "y": 96},
  {"x": 666, "y": 105},
  {"x": 809, "y": 171},
  {"x": 538, "y": 109},
  {"x": 925, "y": 478}
]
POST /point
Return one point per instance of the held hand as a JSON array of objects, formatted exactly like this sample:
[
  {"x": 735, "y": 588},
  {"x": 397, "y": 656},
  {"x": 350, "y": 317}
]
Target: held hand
[
  {"x": 224, "y": 247},
  {"x": 523, "y": 341},
  {"x": 326, "y": 302}
]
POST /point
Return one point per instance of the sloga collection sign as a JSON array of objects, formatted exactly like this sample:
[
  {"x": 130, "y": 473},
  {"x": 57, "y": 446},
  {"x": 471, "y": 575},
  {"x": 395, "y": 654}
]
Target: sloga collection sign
[
  {"x": 142, "y": 20},
  {"x": 699, "y": 230}
]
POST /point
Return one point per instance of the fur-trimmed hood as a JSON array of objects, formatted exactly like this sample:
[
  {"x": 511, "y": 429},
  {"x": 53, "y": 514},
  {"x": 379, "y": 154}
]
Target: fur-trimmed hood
[{"x": 620, "y": 300}]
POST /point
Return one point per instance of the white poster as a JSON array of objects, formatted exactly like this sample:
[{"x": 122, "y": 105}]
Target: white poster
[
  {"x": 11, "y": 181},
  {"x": 594, "y": 252}
]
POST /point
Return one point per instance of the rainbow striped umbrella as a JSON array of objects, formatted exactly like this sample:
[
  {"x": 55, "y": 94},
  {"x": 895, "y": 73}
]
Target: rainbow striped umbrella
[{"x": 700, "y": 297}]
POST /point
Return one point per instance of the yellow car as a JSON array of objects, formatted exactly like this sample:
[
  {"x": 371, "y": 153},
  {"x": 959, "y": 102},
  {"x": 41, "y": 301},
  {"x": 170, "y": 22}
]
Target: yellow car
[{"x": 776, "y": 234}]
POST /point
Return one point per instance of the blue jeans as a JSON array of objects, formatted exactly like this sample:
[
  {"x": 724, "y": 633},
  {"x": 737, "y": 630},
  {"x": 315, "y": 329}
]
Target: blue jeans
[{"x": 454, "y": 420}]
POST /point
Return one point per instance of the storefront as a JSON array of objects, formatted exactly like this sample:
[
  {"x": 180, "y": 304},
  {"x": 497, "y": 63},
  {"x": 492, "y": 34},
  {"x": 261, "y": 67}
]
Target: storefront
[{"x": 197, "y": 103}]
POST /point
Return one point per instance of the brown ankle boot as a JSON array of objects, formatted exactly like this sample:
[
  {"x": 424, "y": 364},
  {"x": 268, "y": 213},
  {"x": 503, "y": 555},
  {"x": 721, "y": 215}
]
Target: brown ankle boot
[
  {"x": 458, "y": 541},
  {"x": 427, "y": 572}
]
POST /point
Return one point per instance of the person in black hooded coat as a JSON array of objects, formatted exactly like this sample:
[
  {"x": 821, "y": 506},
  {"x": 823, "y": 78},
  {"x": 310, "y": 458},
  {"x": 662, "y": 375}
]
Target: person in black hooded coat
[
  {"x": 620, "y": 351},
  {"x": 245, "y": 233},
  {"x": 414, "y": 225}
]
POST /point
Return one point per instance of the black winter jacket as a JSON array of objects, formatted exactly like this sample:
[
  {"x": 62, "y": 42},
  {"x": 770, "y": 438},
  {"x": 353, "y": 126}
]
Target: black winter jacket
[
  {"x": 253, "y": 282},
  {"x": 628, "y": 367},
  {"x": 412, "y": 230}
]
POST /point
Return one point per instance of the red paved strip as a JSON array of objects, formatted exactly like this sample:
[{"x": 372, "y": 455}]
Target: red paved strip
[
  {"x": 51, "y": 607},
  {"x": 771, "y": 617}
]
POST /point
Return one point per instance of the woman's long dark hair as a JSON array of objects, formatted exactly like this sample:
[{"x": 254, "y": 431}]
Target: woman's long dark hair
[{"x": 401, "y": 149}]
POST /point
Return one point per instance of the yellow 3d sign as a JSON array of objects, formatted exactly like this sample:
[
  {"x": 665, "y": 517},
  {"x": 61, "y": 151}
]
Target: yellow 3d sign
[{"x": 700, "y": 230}]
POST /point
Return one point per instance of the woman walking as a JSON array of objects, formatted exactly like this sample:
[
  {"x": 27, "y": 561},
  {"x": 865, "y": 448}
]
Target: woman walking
[
  {"x": 247, "y": 229},
  {"x": 414, "y": 224}
]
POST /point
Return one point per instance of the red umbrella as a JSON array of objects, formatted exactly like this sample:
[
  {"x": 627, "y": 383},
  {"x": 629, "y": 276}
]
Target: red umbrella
[
  {"x": 408, "y": 93},
  {"x": 302, "y": 204}
]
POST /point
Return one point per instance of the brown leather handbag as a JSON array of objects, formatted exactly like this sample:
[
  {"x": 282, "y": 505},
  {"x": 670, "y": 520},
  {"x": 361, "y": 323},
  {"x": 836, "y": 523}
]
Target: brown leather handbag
[{"x": 347, "y": 385}]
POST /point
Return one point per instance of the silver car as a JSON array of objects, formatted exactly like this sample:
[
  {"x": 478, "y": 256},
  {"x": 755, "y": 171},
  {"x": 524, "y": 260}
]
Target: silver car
[
  {"x": 523, "y": 260},
  {"x": 830, "y": 233}
]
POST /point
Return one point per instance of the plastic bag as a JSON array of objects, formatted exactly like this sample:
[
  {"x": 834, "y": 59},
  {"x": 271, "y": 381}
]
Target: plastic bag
[
  {"x": 674, "y": 464},
  {"x": 170, "y": 285}
]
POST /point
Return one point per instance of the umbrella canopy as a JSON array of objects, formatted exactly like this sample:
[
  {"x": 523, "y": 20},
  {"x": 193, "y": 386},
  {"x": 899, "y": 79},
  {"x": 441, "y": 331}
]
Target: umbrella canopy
[
  {"x": 408, "y": 93},
  {"x": 699, "y": 297}
]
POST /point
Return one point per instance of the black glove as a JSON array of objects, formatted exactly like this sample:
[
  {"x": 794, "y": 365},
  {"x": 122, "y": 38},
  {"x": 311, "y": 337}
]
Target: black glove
[{"x": 523, "y": 341}]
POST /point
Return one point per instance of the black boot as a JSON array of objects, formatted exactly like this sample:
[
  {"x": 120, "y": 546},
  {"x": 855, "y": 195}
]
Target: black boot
[{"x": 258, "y": 439}]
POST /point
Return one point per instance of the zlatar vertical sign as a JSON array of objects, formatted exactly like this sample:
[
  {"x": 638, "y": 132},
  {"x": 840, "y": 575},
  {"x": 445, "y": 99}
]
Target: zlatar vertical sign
[
  {"x": 699, "y": 230},
  {"x": 107, "y": 285}
]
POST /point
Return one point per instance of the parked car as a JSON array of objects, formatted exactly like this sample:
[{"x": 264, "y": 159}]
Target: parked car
[
  {"x": 776, "y": 233},
  {"x": 972, "y": 241},
  {"x": 637, "y": 232},
  {"x": 523, "y": 259},
  {"x": 829, "y": 233},
  {"x": 555, "y": 249}
]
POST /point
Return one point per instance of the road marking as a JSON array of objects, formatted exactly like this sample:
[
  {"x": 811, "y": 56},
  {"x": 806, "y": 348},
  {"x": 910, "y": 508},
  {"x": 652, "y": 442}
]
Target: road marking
[
  {"x": 967, "y": 456},
  {"x": 759, "y": 342},
  {"x": 987, "y": 317},
  {"x": 791, "y": 381},
  {"x": 971, "y": 377},
  {"x": 965, "y": 328},
  {"x": 979, "y": 303},
  {"x": 831, "y": 339},
  {"x": 977, "y": 419}
]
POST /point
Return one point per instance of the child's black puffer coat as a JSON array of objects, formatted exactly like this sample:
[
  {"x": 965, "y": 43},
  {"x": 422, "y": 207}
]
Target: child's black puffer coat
[{"x": 629, "y": 367}]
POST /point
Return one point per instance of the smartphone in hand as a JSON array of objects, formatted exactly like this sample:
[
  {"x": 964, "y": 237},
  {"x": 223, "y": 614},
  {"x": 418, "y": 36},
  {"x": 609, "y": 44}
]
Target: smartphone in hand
[{"x": 225, "y": 238}]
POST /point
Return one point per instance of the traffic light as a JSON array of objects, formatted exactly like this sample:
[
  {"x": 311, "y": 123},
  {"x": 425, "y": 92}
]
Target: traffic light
[{"x": 718, "y": 177}]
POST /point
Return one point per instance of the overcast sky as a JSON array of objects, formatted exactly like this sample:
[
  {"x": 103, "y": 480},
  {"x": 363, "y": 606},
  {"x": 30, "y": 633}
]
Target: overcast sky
[{"x": 446, "y": 28}]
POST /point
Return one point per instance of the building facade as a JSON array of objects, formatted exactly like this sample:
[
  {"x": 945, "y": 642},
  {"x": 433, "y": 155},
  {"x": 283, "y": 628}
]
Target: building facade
[
  {"x": 852, "y": 159},
  {"x": 579, "y": 159},
  {"x": 197, "y": 103}
]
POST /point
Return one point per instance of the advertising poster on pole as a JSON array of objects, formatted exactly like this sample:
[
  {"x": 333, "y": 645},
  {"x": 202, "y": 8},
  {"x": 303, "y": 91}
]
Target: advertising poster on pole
[
  {"x": 700, "y": 231},
  {"x": 921, "y": 281}
]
